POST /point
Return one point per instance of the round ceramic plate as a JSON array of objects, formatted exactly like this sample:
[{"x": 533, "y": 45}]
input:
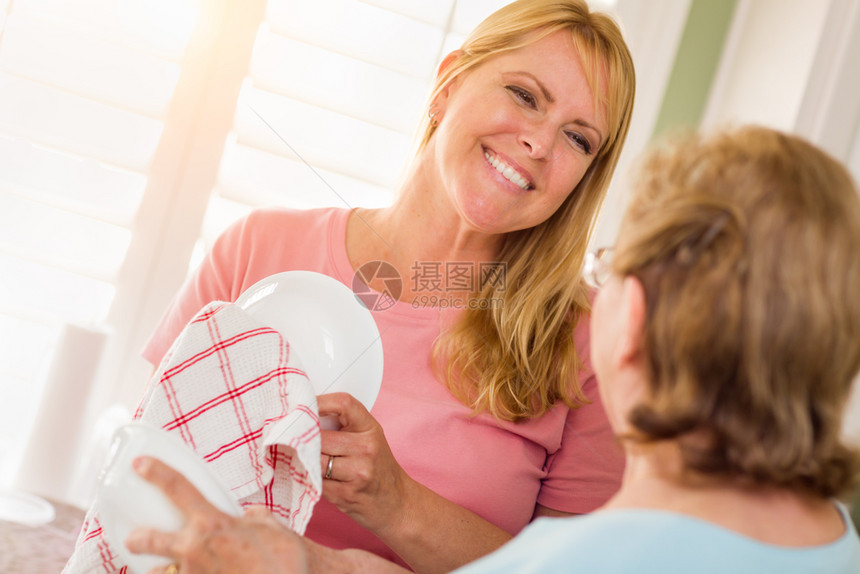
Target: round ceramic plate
[
  {"x": 330, "y": 330},
  {"x": 126, "y": 501},
  {"x": 25, "y": 508}
]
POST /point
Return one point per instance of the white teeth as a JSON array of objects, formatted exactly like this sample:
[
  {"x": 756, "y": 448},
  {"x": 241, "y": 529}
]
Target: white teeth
[{"x": 507, "y": 171}]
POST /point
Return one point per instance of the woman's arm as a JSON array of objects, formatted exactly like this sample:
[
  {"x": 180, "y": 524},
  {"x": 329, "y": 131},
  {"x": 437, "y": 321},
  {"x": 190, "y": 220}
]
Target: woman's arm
[
  {"x": 541, "y": 510},
  {"x": 212, "y": 542},
  {"x": 433, "y": 534},
  {"x": 430, "y": 533}
]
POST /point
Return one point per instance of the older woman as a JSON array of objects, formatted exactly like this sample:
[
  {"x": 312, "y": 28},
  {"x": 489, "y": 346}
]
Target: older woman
[
  {"x": 725, "y": 339},
  {"x": 488, "y": 406}
]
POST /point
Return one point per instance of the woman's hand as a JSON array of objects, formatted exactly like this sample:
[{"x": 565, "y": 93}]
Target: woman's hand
[
  {"x": 365, "y": 480},
  {"x": 213, "y": 542},
  {"x": 432, "y": 534}
]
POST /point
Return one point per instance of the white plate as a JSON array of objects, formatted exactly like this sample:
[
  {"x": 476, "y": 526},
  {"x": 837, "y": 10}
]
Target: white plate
[
  {"x": 126, "y": 501},
  {"x": 24, "y": 508},
  {"x": 329, "y": 329}
]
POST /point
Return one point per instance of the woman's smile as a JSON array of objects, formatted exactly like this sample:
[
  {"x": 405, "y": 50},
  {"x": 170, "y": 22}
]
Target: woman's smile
[{"x": 509, "y": 170}]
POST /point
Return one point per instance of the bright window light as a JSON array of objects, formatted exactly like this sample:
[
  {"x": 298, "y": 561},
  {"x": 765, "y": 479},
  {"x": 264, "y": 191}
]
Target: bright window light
[
  {"x": 361, "y": 31},
  {"x": 32, "y": 291},
  {"x": 162, "y": 27},
  {"x": 376, "y": 93},
  {"x": 85, "y": 64},
  {"x": 321, "y": 137},
  {"x": 58, "y": 119},
  {"x": 71, "y": 182},
  {"x": 61, "y": 238},
  {"x": 164, "y": 24}
]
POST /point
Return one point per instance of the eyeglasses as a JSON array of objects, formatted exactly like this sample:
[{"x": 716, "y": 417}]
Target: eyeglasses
[{"x": 598, "y": 267}]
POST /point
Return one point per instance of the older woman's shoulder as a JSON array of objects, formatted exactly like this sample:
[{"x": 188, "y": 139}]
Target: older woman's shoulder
[{"x": 640, "y": 540}]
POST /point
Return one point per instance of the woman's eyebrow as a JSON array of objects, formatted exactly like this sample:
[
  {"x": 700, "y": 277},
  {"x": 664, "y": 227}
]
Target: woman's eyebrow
[{"x": 540, "y": 85}]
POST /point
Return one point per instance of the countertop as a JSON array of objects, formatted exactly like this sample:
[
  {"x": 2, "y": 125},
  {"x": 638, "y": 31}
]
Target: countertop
[{"x": 40, "y": 549}]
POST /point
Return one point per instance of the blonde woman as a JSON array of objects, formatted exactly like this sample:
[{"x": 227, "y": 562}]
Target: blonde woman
[{"x": 488, "y": 415}]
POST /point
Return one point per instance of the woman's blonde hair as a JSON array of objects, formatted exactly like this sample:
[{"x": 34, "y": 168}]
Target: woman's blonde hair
[
  {"x": 516, "y": 359},
  {"x": 747, "y": 244}
]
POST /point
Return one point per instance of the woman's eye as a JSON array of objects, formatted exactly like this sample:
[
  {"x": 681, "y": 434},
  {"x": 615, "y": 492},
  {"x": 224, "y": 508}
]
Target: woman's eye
[
  {"x": 523, "y": 96},
  {"x": 579, "y": 141}
]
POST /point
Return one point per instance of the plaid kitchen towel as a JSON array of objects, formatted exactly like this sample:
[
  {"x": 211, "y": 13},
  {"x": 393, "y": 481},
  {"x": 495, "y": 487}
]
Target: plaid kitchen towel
[{"x": 228, "y": 389}]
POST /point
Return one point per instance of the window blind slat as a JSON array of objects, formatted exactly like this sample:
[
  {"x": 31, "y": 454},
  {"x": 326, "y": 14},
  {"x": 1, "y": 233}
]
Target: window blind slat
[
  {"x": 66, "y": 240},
  {"x": 70, "y": 182},
  {"x": 360, "y": 30},
  {"x": 87, "y": 66},
  {"x": 375, "y": 94},
  {"x": 469, "y": 14},
  {"x": 434, "y": 13},
  {"x": 120, "y": 21},
  {"x": 323, "y": 138},
  {"x": 60, "y": 119},
  {"x": 257, "y": 177},
  {"x": 36, "y": 291}
]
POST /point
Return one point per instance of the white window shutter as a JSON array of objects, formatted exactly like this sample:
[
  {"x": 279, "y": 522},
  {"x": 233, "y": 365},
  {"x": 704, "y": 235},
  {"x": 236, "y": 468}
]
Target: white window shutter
[{"x": 84, "y": 92}]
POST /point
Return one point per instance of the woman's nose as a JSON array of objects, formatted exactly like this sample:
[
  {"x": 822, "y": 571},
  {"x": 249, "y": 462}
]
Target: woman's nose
[{"x": 537, "y": 139}]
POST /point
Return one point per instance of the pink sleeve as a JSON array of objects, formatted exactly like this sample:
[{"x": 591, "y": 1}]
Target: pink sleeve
[
  {"x": 218, "y": 278},
  {"x": 586, "y": 471}
]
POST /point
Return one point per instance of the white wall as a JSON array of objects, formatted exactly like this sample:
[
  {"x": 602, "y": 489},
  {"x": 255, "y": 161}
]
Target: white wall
[
  {"x": 766, "y": 63},
  {"x": 653, "y": 31},
  {"x": 793, "y": 65}
]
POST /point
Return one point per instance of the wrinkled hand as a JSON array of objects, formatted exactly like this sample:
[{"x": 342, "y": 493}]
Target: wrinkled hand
[
  {"x": 366, "y": 481},
  {"x": 213, "y": 542}
]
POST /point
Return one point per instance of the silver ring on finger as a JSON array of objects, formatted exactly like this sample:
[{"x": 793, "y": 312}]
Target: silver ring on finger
[{"x": 329, "y": 467}]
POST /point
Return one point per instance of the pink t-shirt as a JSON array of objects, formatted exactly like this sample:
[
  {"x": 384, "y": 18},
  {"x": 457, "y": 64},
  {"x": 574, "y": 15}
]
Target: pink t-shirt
[{"x": 566, "y": 460}]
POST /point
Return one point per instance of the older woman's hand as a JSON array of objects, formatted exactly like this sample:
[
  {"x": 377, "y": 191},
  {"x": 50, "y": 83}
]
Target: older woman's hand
[
  {"x": 213, "y": 542},
  {"x": 364, "y": 481}
]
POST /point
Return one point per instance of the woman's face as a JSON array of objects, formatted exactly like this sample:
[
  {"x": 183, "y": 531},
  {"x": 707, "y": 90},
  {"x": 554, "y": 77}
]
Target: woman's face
[{"x": 517, "y": 135}]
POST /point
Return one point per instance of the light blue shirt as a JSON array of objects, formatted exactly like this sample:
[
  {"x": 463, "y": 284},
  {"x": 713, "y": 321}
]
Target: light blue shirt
[{"x": 626, "y": 541}]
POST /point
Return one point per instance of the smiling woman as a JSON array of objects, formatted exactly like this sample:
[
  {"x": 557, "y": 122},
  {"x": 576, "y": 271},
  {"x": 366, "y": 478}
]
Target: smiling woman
[{"x": 567, "y": 128}]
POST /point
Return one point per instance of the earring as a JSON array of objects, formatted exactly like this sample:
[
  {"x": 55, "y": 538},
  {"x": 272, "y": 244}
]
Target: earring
[{"x": 432, "y": 113}]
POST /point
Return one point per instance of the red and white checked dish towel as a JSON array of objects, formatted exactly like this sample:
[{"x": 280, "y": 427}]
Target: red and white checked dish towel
[{"x": 227, "y": 388}]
